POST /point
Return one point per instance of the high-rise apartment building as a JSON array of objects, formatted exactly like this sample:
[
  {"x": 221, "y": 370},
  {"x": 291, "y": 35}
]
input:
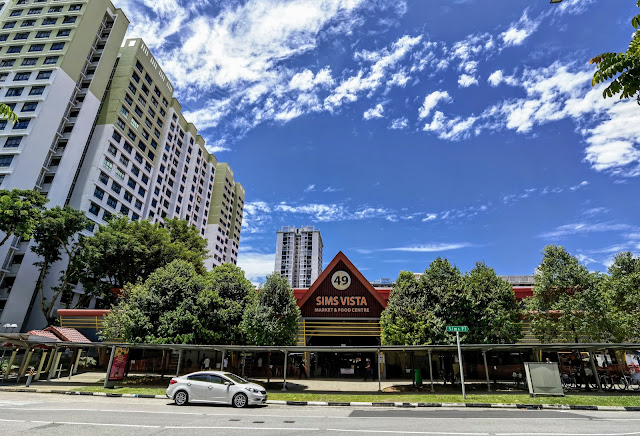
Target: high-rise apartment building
[
  {"x": 299, "y": 255},
  {"x": 101, "y": 131}
]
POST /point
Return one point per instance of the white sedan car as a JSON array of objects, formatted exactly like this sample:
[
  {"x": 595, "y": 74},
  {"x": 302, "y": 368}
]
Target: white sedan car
[{"x": 215, "y": 387}]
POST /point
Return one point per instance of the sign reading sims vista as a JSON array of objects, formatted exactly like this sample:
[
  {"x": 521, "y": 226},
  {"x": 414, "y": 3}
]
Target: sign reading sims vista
[{"x": 341, "y": 291}]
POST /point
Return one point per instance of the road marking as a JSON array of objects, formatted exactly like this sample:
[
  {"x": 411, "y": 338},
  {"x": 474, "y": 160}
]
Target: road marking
[
  {"x": 405, "y": 432},
  {"x": 242, "y": 428},
  {"x": 569, "y": 434},
  {"x": 96, "y": 424},
  {"x": 12, "y": 420}
]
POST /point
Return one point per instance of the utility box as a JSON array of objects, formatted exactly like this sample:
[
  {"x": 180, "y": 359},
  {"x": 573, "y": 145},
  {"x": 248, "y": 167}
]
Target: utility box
[{"x": 543, "y": 379}]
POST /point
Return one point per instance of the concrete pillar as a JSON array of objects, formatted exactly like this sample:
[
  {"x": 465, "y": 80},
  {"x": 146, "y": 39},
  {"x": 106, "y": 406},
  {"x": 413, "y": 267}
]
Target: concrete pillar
[
  {"x": 54, "y": 363},
  {"x": 11, "y": 359},
  {"x": 43, "y": 359},
  {"x": 594, "y": 369},
  {"x": 431, "y": 371},
  {"x": 106, "y": 377},
  {"x": 486, "y": 370},
  {"x": 179, "y": 363},
  {"x": 378, "y": 363},
  {"x": 222, "y": 360},
  {"x": 25, "y": 363},
  {"x": 284, "y": 382},
  {"x": 77, "y": 361}
]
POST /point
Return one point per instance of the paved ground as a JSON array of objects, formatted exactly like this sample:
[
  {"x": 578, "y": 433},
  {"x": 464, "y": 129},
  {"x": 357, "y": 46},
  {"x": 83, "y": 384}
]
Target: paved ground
[{"x": 52, "y": 415}]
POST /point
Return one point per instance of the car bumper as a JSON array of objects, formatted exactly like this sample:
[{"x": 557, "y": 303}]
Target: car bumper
[{"x": 257, "y": 399}]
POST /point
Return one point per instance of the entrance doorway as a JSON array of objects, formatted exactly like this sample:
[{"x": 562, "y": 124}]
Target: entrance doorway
[{"x": 343, "y": 365}]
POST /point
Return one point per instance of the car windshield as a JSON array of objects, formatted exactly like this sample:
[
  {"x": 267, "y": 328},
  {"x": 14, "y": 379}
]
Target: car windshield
[{"x": 235, "y": 378}]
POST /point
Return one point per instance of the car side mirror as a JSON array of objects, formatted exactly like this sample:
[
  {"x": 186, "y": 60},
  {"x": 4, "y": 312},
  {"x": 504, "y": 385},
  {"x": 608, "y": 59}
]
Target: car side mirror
[{"x": 228, "y": 383}]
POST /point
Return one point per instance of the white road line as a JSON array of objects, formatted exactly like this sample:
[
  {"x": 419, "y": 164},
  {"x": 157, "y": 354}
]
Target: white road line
[
  {"x": 96, "y": 424},
  {"x": 12, "y": 420},
  {"x": 176, "y": 427},
  {"x": 405, "y": 432},
  {"x": 569, "y": 434}
]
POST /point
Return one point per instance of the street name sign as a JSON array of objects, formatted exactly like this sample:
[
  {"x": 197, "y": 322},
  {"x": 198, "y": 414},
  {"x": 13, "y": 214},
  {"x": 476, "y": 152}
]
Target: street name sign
[{"x": 457, "y": 328}]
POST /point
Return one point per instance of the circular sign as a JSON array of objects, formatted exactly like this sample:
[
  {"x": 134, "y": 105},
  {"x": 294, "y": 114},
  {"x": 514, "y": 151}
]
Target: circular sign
[{"x": 341, "y": 280}]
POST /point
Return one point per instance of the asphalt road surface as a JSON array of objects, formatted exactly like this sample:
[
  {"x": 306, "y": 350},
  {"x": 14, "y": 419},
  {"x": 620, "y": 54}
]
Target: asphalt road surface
[{"x": 51, "y": 415}]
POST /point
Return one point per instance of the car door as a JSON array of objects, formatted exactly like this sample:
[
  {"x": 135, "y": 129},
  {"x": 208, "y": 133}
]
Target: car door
[
  {"x": 198, "y": 387},
  {"x": 218, "y": 391}
]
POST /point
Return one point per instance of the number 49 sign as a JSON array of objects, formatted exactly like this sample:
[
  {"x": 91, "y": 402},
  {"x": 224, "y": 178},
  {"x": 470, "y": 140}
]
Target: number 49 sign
[{"x": 341, "y": 280}]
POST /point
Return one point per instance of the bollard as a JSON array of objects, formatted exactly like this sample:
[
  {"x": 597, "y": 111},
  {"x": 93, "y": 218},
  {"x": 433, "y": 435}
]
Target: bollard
[{"x": 29, "y": 378}]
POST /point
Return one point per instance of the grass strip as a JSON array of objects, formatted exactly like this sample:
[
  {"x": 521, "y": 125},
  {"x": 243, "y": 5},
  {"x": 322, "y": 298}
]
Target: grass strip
[{"x": 576, "y": 400}]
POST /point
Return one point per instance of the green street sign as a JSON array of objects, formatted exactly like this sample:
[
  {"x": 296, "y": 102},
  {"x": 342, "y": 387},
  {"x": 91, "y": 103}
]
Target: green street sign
[{"x": 457, "y": 328}]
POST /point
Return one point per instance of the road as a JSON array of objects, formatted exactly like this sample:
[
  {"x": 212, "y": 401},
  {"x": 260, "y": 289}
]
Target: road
[{"x": 51, "y": 415}]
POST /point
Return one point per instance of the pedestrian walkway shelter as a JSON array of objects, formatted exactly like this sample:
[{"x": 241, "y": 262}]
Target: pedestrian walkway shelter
[{"x": 236, "y": 356}]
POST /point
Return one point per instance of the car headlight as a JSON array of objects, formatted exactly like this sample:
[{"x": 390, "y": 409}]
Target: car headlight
[{"x": 255, "y": 391}]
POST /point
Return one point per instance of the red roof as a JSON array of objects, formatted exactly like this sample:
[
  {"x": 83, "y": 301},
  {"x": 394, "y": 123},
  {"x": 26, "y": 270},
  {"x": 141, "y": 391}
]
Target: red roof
[
  {"x": 68, "y": 334},
  {"x": 44, "y": 333}
]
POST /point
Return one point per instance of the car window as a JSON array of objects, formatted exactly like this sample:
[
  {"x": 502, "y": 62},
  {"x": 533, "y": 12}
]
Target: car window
[
  {"x": 216, "y": 379},
  {"x": 199, "y": 377},
  {"x": 235, "y": 378}
]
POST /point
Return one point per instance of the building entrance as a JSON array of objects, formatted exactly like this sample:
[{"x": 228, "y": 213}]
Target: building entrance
[{"x": 343, "y": 365}]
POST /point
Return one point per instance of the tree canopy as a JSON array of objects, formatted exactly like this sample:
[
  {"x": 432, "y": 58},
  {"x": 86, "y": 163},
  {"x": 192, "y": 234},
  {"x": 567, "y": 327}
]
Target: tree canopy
[
  {"x": 419, "y": 310},
  {"x": 7, "y": 113},
  {"x": 623, "y": 68},
  {"x": 273, "y": 315},
  {"x": 567, "y": 301},
  {"x": 20, "y": 211}
]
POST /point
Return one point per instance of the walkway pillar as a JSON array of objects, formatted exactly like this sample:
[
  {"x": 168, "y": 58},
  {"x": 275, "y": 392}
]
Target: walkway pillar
[
  {"x": 25, "y": 363},
  {"x": 431, "y": 371},
  {"x": 486, "y": 370},
  {"x": 222, "y": 368},
  {"x": 378, "y": 363},
  {"x": 11, "y": 359},
  {"x": 77, "y": 362},
  {"x": 179, "y": 363},
  {"x": 106, "y": 377},
  {"x": 594, "y": 369},
  {"x": 284, "y": 383},
  {"x": 43, "y": 359},
  {"x": 53, "y": 362}
]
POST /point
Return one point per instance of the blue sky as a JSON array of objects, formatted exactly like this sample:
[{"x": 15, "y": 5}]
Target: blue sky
[{"x": 408, "y": 130}]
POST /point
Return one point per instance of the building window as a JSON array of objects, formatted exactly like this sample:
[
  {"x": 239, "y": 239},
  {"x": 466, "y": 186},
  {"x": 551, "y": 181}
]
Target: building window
[
  {"x": 103, "y": 178},
  {"x": 36, "y": 47},
  {"x": 141, "y": 191},
  {"x": 16, "y": 13},
  {"x": 55, "y": 9},
  {"x": 29, "y": 106},
  {"x": 119, "y": 174},
  {"x": 124, "y": 210},
  {"x": 37, "y": 90},
  {"x": 127, "y": 147},
  {"x": 14, "y": 92},
  {"x": 107, "y": 215},
  {"x": 43, "y": 34},
  {"x": 135, "y": 217},
  {"x": 49, "y": 21},
  {"x": 131, "y": 183},
  {"x": 115, "y": 187},
  {"x": 128, "y": 196},
  {"x": 43, "y": 75},
  {"x": 35, "y": 11},
  {"x": 13, "y": 141},
  {"x": 9, "y": 25},
  {"x": 98, "y": 193},
  {"x": 28, "y": 62},
  {"x": 120, "y": 123},
  {"x": 112, "y": 202},
  {"x": 57, "y": 46},
  {"x": 128, "y": 99},
  {"x": 21, "y": 125},
  {"x": 21, "y": 36},
  {"x": 63, "y": 32},
  {"x": 69, "y": 20},
  {"x": 6, "y": 160},
  {"x": 21, "y": 76},
  {"x": 94, "y": 209},
  {"x": 49, "y": 60},
  {"x": 7, "y": 63},
  {"x": 124, "y": 112},
  {"x": 28, "y": 23},
  {"x": 75, "y": 8},
  {"x": 14, "y": 49},
  {"x": 108, "y": 163},
  {"x": 112, "y": 150}
]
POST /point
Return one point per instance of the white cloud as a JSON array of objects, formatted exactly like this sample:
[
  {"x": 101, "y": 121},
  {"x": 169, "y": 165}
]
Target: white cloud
[
  {"x": 310, "y": 188},
  {"x": 331, "y": 189},
  {"x": 451, "y": 129},
  {"x": 431, "y": 101},
  {"x": 306, "y": 80},
  {"x": 579, "y": 185},
  {"x": 256, "y": 266},
  {"x": 583, "y": 227},
  {"x": 430, "y": 217},
  {"x": 518, "y": 32},
  {"x": 374, "y": 112},
  {"x": 423, "y": 248},
  {"x": 496, "y": 78},
  {"x": 399, "y": 124},
  {"x": 466, "y": 80}
]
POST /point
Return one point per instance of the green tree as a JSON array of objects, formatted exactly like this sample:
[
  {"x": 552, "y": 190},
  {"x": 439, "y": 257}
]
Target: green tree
[
  {"x": 124, "y": 251},
  {"x": 235, "y": 292},
  {"x": 622, "y": 294},
  {"x": 20, "y": 212},
  {"x": 623, "y": 68},
  {"x": 56, "y": 233},
  {"x": 409, "y": 318},
  {"x": 494, "y": 315},
  {"x": 567, "y": 301},
  {"x": 7, "y": 113},
  {"x": 273, "y": 315},
  {"x": 165, "y": 309}
]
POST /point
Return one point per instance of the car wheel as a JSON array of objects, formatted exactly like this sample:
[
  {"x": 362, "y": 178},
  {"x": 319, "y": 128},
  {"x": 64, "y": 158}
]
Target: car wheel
[
  {"x": 240, "y": 400},
  {"x": 181, "y": 398}
]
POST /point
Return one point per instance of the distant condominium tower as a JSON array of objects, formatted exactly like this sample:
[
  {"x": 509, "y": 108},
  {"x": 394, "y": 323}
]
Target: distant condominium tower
[
  {"x": 100, "y": 130},
  {"x": 299, "y": 255}
]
